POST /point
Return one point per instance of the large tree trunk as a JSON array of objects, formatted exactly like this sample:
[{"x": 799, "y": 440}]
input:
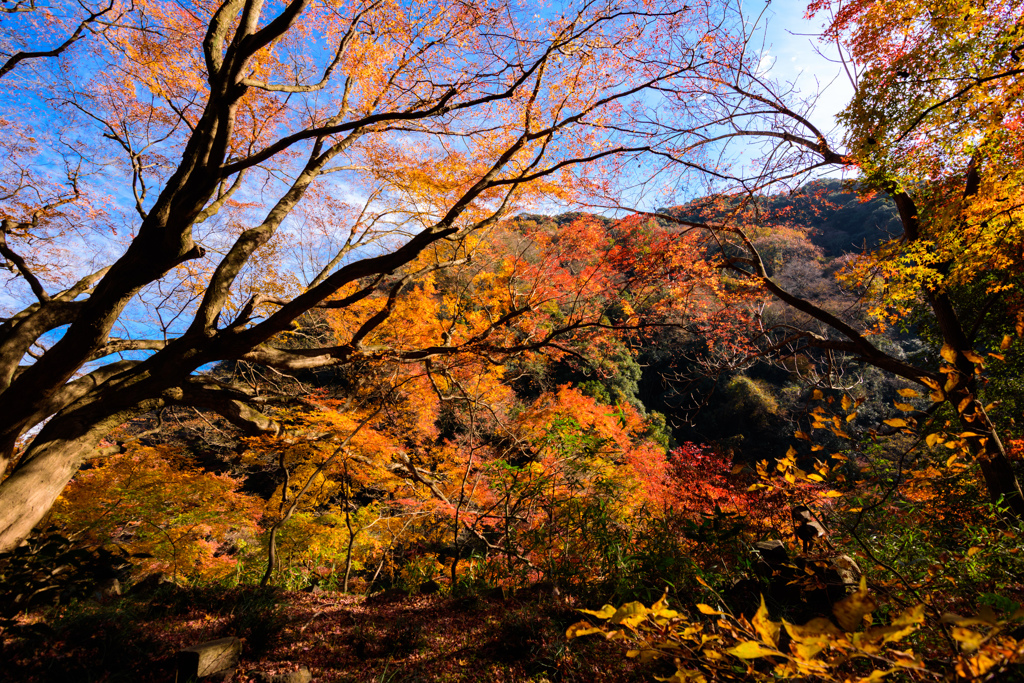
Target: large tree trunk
[
  {"x": 982, "y": 438},
  {"x": 28, "y": 494},
  {"x": 987, "y": 448},
  {"x": 54, "y": 456}
]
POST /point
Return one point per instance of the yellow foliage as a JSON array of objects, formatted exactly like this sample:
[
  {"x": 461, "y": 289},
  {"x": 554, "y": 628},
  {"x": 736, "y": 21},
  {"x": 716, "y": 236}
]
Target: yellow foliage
[{"x": 818, "y": 650}]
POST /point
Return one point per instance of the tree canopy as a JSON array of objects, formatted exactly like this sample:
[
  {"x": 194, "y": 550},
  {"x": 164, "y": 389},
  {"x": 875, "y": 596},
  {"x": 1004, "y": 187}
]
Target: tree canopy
[{"x": 448, "y": 297}]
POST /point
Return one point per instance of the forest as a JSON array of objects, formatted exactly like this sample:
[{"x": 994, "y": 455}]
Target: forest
[{"x": 434, "y": 340}]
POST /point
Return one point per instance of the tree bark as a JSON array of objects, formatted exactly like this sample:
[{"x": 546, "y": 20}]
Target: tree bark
[
  {"x": 27, "y": 495},
  {"x": 987, "y": 448}
]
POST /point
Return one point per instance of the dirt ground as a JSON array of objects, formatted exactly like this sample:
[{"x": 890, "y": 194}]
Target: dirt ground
[{"x": 338, "y": 638}]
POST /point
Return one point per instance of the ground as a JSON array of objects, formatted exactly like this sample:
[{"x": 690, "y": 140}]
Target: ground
[{"x": 340, "y": 638}]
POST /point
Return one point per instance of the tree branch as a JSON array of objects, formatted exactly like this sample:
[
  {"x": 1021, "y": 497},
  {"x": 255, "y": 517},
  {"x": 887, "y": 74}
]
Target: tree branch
[{"x": 75, "y": 36}]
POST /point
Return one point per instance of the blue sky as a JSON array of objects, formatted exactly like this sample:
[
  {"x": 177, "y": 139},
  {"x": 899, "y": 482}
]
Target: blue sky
[
  {"x": 789, "y": 55},
  {"x": 792, "y": 57}
]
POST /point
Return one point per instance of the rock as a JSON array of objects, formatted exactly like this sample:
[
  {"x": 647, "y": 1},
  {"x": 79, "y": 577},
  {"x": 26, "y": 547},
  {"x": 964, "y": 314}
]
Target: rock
[
  {"x": 214, "y": 658},
  {"x": 224, "y": 676},
  {"x": 804, "y": 588},
  {"x": 847, "y": 569},
  {"x": 301, "y": 676},
  {"x": 496, "y": 593},
  {"x": 153, "y": 582},
  {"x": 806, "y": 529},
  {"x": 107, "y": 590},
  {"x": 773, "y": 552}
]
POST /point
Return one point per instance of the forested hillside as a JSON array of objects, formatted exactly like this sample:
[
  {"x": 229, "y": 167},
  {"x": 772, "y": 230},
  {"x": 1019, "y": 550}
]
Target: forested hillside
[{"x": 365, "y": 341}]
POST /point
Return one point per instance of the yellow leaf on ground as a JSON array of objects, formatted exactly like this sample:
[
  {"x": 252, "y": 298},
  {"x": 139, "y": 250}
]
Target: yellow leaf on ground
[
  {"x": 765, "y": 627},
  {"x": 630, "y": 614},
  {"x": 850, "y": 611},
  {"x": 969, "y": 640},
  {"x": 580, "y": 629},
  {"x": 751, "y": 649}
]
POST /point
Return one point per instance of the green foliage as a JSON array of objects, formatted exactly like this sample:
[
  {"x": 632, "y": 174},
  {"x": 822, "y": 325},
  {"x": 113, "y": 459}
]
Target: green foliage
[
  {"x": 618, "y": 378},
  {"x": 936, "y": 540},
  {"x": 751, "y": 399}
]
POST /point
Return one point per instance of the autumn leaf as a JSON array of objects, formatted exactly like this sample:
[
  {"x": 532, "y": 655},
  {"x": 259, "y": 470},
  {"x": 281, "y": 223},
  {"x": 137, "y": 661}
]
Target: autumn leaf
[
  {"x": 582, "y": 628},
  {"x": 973, "y": 357},
  {"x": 969, "y": 639},
  {"x": 765, "y": 627},
  {"x": 851, "y": 610},
  {"x": 948, "y": 354},
  {"x": 751, "y": 649},
  {"x": 605, "y": 612}
]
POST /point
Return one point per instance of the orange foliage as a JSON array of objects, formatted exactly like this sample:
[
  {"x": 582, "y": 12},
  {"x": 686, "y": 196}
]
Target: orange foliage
[{"x": 193, "y": 524}]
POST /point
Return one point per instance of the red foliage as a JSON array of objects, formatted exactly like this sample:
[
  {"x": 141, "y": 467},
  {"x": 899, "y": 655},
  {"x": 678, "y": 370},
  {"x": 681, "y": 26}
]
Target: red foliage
[{"x": 700, "y": 481}]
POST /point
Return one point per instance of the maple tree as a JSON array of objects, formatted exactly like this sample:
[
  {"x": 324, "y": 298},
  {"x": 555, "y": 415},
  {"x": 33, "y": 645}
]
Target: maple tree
[
  {"x": 225, "y": 117},
  {"x": 932, "y": 126},
  {"x": 396, "y": 351},
  {"x": 42, "y": 32},
  {"x": 430, "y": 418},
  {"x": 194, "y": 535}
]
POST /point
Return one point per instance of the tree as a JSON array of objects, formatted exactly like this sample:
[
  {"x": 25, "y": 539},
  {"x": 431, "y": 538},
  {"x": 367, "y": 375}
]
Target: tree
[
  {"x": 423, "y": 426},
  {"x": 933, "y": 125},
  {"x": 42, "y": 32},
  {"x": 440, "y": 117},
  {"x": 149, "y": 501}
]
